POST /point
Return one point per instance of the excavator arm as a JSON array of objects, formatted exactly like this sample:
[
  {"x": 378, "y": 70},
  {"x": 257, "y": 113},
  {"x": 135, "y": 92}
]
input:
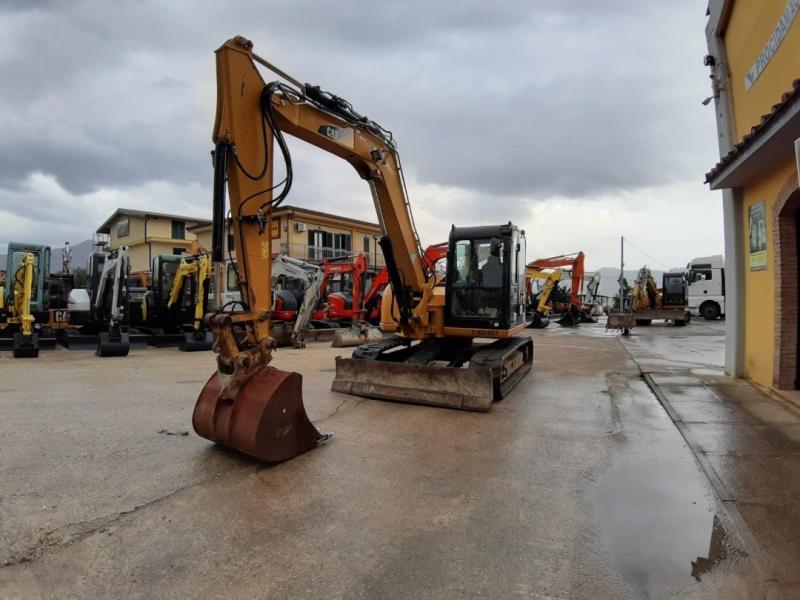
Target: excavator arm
[
  {"x": 251, "y": 114},
  {"x": 550, "y": 281}
]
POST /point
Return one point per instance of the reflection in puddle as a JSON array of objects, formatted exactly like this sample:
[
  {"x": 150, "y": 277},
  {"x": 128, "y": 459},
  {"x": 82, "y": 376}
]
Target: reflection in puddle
[
  {"x": 657, "y": 518},
  {"x": 656, "y": 506},
  {"x": 718, "y": 551}
]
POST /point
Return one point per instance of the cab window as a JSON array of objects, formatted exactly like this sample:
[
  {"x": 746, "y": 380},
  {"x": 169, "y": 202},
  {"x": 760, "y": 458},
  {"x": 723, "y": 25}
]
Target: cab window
[{"x": 477, "y": 287}]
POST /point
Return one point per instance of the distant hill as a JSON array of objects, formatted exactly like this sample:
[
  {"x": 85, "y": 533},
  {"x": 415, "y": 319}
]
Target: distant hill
[{"x": 80, "y": 256}]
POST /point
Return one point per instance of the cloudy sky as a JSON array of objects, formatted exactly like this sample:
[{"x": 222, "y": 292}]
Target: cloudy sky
[{"x": 581, "y": 121}]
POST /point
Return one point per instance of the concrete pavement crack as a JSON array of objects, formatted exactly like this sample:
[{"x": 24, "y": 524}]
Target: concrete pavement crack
[
  {"x": 71, "y": 533},
  {"x": 347, "y": 401}
]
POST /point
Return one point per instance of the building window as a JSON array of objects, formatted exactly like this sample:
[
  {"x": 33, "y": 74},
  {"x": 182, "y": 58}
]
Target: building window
[
  {"x": 366, "y": 244},
  {"x": 319, "y": 244},
  {"x": 178, "y": 251},
  {"x": 178, "y": 230},
  {"x": 123, "y": 227},
  {"x": 341, "y": 244}
]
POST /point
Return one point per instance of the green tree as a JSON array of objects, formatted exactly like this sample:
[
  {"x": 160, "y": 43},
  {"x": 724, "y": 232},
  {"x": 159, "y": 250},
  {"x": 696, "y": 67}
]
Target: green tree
[{"x": 80, "y": 277}]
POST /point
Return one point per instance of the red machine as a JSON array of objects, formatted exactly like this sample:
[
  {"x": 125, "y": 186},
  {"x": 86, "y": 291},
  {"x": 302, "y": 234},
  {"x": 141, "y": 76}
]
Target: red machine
[
  {"x": 372, "y": 299},
  {"x": 343, "y": 288}
]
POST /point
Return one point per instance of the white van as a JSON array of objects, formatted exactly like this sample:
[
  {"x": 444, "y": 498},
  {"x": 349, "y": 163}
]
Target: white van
[{"x": 706, "y": 294}]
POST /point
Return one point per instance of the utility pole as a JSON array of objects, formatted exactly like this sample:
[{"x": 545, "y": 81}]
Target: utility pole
[{"x": 621, "y": 274}]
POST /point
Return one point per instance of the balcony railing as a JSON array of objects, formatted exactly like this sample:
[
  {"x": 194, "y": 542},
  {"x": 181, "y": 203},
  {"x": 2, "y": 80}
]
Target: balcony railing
[{"x": 319, "y": 254}]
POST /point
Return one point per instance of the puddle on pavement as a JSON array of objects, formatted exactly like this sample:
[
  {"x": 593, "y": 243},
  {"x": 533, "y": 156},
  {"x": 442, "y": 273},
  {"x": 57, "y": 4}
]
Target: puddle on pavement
[{"x": 658, "y": 514}]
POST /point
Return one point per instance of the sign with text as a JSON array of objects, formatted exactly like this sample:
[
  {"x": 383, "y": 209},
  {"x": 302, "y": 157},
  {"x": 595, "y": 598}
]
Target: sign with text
[
  {"x": 757, "y": 236},
  {"x": 771, "y": 47}
]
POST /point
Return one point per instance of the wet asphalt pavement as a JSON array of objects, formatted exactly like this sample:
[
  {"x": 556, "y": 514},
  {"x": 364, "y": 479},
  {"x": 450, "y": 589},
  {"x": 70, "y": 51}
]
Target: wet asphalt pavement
[
  {"x": 748, "y": 443},
  {"x": 578, "y": 484}
]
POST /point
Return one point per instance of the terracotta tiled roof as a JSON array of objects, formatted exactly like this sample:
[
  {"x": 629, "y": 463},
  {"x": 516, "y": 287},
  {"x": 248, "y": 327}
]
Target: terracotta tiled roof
[{"x": 756, "y": 131}]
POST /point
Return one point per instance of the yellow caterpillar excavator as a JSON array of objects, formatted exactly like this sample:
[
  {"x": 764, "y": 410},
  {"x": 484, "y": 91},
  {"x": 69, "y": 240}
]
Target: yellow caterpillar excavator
[
  {"x": 455, "y": 342},
  {"x": 192, "y": 279},
  {"x": 18, "y": 311},
  {"x": 541, "y": 312}
]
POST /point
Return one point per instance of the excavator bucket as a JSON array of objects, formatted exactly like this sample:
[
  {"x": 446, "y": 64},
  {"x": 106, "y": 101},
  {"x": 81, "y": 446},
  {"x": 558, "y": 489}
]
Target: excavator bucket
[
  {"x": 26, "y": 346},
  {"x": 266, "y": 419},
  {"x": 112, "y": 344},
  {"x": 194, "y": 341},
  {"x": 539, "y": 321},
  {"x": 568, "y": 319},
  {"x": 356, "y": 335}
]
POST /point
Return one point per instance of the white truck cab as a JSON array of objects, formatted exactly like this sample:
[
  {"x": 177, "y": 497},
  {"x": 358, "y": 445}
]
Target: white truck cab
[{"x": 706, "y": 294}]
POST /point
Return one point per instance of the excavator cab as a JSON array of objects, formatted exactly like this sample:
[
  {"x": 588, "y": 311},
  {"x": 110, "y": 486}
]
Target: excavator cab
[
  {"x": 674, "y": 290},
  {"x": 486, "y": 278}
]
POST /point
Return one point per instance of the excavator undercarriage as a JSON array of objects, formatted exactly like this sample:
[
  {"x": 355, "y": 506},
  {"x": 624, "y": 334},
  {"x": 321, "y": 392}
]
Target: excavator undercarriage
[{"x": 451, "y": 373}]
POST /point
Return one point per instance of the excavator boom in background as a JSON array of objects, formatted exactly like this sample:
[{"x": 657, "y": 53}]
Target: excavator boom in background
[{"x": 431, "y": 359}]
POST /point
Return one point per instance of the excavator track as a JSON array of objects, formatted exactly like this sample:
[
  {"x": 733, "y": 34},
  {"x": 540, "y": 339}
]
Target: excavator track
[{"x": 452, "y": 374}]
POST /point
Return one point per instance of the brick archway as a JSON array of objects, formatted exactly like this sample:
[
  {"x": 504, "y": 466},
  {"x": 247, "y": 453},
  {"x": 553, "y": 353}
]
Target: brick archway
[{"x": 787, "y": 290}]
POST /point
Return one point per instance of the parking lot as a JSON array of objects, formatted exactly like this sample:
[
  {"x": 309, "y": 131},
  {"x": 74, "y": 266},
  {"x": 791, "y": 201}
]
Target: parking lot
[{"x": 578, "y": 484}]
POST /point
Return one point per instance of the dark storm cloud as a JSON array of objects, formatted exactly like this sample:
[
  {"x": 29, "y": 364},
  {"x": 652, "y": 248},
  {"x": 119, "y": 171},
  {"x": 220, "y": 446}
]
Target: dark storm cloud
[{"x": 513, "y": 100}]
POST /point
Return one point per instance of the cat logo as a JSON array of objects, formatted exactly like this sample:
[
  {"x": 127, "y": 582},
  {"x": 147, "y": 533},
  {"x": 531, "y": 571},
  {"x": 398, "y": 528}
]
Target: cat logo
[{"x": 330, "y": 131}]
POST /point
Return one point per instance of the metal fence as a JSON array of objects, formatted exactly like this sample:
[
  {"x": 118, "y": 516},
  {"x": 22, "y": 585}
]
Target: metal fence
[{"x": 318, "y": 254}]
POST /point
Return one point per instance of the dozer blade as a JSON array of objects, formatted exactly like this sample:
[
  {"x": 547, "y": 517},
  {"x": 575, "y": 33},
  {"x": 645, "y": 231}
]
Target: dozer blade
[
  {"x": 266, "y": 419},
  {"x": 355, "y": 336},
  {"x": 109, "y": 344},
  {"x": 195, "y": 341},
  {"x": 462, "y": 388},
  {"x": 26, "y": 346}
]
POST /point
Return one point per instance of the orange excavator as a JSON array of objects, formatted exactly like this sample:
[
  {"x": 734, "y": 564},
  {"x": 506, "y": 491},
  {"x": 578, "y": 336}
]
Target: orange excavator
[
  {"x": 576, "y": 312},
  {"x": 456, "y": 341}
]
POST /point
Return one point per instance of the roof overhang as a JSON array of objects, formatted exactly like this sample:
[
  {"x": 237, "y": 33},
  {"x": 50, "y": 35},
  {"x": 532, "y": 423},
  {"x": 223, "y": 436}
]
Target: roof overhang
[{"x": 775, "y": 141}]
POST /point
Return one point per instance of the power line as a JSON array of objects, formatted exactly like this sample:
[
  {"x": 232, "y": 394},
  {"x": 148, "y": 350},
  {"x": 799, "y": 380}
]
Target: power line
[{"x": 645, "y": 253}]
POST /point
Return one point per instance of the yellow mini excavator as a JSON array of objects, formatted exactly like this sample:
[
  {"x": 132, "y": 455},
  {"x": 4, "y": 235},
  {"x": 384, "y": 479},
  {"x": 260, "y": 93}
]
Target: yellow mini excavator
[
  {"x": 455, "y": 341},
  {"x": 18, "y": 312},
  {"x": 191, "y": 286},
  {"x": 541, "y": 312}
]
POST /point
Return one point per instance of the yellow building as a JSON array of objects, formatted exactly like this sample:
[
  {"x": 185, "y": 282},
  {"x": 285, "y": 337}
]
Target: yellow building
[
  {"x": 314, "y": 236},
  {"x": 148, "y": 234},
  {"x": 754, "y": 56}
]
